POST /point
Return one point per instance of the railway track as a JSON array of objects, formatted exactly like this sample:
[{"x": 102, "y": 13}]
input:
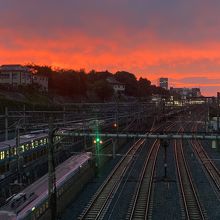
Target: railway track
[
  {"x": 100, "y": 202},
  {"x": 208, "y": 164},
  {"x": 144, "y": 188},
  {"x": 192, "y": 206},
  {"x": 103, "y": 196},
  {"x": 141, "y": 202}
]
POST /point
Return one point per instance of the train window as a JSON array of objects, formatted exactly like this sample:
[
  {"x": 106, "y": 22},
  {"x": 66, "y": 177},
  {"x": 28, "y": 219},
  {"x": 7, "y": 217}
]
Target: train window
[
  {"x": 32, "y": 144},
  {"x": 36, "y": 143},
  {"x": 2, "y": 155},
  {"x": 46, "y": 205},
  {"x": 41, "y": 142},
  {"x": 22, "y": 148},
  {"x": 15, "y": 151},
  {"x": 27, "y": 147}
]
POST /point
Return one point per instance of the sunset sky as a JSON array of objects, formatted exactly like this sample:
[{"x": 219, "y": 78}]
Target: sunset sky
[{"x": 178, "y": 39}]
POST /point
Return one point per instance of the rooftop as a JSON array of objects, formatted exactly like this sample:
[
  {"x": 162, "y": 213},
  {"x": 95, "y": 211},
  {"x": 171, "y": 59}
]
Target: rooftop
[{"x": 13, "y": 67}]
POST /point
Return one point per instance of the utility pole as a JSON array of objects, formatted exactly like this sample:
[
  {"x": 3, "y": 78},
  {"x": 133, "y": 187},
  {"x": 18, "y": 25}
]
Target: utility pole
[
  {"x": 206, "y": 112},
  {"x": 84, "y": 129},
  {"x": 97, "y": 143},
  {"x": 6, "y": 123},
  {"x": 51, "y": 173},
  {"x": 218, "y": 111},
  {"x": 18, "y": 150},
  {"x": 117, "y": 126},
  {"x": 165, "y": 145}
]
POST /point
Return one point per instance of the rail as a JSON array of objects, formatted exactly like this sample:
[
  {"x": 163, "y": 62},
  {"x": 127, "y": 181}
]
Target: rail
[{"x": 192, "y": 206}]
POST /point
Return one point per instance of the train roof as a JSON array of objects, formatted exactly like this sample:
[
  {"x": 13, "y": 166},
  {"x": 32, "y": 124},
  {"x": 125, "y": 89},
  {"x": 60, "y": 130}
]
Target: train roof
[
  {"x": 63, "y": 172},
  {"x": 23, "y": 139}
]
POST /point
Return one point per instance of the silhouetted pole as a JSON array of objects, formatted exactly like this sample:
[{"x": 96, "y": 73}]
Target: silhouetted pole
[
  {"x": 164, "y": 143},
  {"x": 218, "y": 95},
  {"x": 51, "y": 173},
  {"x": 18, "y": 154},
  {"x": 84, "y": 129},
  {"x": 217, "y": 142},
  {"x": 6, "y": 123},
  {"x": 115, "y": 142}
]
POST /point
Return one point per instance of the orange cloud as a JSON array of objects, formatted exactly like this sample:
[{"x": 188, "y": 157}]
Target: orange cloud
[{"x": 150, "y": 59}]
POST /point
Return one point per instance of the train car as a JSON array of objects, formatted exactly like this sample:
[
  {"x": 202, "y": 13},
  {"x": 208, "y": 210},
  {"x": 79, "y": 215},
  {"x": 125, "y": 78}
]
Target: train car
[
  {"x": 32, "y": 203},
  {"x": 31, "y": 147}
]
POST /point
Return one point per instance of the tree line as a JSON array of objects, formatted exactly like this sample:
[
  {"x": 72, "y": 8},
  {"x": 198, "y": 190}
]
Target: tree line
[{"x": 78, "y": 83}]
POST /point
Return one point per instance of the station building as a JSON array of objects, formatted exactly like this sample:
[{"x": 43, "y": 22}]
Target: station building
[
  {"x": 42, "y": 81},
  {"x": 118, "y": 87},
  {"x": 15, "y": 75}
]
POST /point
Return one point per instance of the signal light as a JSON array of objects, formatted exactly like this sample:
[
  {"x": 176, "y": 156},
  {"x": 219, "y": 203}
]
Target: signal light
[
  {"x": 97, "y": 140},
  {"x": 115, "y": 125}
]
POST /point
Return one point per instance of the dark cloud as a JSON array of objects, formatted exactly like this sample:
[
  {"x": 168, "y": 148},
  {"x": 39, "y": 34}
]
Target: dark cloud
[{"x": 188, "y": 21}]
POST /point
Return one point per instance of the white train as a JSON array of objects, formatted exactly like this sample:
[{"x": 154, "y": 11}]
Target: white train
[{"x": 32, "y": 203}]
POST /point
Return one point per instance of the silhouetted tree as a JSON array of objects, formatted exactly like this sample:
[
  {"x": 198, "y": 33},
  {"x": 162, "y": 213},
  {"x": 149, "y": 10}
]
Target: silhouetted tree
[
  {"x": 130, "y": 82},
  {"x": 103, "y": 90},
  {"x": 69, "y": 82},
  {"x": 144, "y": 88}
]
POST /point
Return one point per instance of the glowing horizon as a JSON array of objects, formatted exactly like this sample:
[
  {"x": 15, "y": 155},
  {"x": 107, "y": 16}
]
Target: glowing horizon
[{"x": 175, "y": 39}]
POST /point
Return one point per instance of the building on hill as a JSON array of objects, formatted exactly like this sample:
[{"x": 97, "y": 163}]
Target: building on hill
[
  {"x": 15, "y": 75},
  {"x": 163, "y": 83},
  {"x": 186, "y": 92},
  {"x": 42, "y": 81},
  {"x": 119, "y": 88}
]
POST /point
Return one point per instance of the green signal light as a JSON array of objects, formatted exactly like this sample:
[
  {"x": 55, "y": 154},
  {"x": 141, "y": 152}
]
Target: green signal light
[{"x": 97, "y": 139}]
